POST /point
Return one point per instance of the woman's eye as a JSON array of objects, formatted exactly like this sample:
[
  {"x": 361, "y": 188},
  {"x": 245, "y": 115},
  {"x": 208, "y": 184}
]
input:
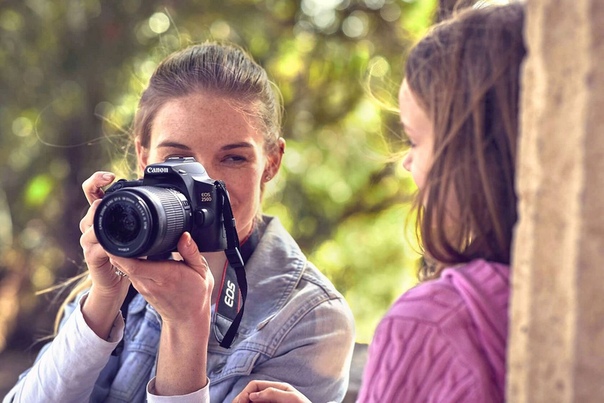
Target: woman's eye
[
  {"x": 177, "y": 156},
  {"x": 234, "y": 158}
]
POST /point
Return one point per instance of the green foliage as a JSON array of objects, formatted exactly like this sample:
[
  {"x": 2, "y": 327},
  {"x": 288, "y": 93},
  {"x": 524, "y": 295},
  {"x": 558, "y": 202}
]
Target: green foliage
[
  {"x": 72, "y": 73},
  {"x": 38, "y": 190}
]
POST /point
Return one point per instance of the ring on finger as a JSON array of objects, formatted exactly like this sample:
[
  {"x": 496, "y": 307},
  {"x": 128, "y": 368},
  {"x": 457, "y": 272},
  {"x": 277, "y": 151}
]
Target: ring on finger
[{"x": 119, "y": 272}]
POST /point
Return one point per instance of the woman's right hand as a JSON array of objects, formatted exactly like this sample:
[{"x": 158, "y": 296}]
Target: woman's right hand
[
  {"x": 108, "y": 290},
  {"x": 270, "y": 392}
]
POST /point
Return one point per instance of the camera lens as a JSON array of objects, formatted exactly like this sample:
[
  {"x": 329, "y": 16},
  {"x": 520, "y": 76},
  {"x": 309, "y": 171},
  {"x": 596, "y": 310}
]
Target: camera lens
[
  {"x": 142, "y": 221},
  {"x": 122, "y": 223}
]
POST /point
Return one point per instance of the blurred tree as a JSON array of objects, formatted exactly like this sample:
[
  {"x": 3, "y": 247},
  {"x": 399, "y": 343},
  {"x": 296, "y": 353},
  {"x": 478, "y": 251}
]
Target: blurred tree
[{"x": 72, "y": 71}]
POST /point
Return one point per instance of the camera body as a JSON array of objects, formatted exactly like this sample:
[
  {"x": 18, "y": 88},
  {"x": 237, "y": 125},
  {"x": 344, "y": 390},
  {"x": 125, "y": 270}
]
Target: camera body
[{"x": 147, "y": 217}]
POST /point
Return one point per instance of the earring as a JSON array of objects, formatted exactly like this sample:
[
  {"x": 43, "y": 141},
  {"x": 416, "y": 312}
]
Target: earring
[{"x": 267, "y": 177}]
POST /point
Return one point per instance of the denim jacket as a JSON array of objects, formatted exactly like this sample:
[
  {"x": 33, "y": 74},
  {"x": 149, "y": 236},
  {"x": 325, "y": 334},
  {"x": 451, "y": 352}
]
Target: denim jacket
[{"x": 296, "y": 328}]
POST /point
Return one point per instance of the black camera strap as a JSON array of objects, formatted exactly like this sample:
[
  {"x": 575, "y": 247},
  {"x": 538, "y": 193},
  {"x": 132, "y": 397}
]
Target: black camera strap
[{"x": 233, "y": 293}]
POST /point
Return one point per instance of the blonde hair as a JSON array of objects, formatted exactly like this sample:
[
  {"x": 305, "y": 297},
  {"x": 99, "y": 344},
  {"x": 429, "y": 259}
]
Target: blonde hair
[{"x": 217, "y": 68}]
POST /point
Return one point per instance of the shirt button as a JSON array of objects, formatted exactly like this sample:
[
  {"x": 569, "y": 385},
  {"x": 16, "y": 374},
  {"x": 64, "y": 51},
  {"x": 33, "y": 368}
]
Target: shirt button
[{"x": 219, "y": 368}]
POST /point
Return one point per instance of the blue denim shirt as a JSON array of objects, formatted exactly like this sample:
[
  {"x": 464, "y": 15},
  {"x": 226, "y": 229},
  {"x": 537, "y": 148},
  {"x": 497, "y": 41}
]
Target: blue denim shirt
[{"x": 296, "y": 328}]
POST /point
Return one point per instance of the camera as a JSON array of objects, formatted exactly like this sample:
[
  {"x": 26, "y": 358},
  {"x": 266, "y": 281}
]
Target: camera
[{"x": 146, "y": 217}]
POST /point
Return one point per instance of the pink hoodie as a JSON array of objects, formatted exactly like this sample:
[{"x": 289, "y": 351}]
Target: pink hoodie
[{"x": 443, "y": 341}]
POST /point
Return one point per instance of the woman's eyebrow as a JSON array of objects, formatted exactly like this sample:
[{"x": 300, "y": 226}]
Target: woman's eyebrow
[
  {"x": 232, "y": 146},
  {"x": 181, "y": 146},
  {"x": 173, "y": 144}
]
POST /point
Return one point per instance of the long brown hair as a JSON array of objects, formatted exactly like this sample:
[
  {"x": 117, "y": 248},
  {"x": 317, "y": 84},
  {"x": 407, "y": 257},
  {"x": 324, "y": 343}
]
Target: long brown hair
[{"x": 466, "y": 75}]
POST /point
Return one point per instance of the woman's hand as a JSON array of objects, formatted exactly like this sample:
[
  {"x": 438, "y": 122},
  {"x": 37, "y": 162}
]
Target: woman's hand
[
  {"x": 270, "y": 392},
  {"x": 180, "y": 291},
  {"x": 108, "y": 290},
  {"x": 102, "y": 273}
]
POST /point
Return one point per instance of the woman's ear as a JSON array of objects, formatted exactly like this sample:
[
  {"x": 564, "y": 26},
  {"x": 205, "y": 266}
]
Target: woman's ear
[
  {"x": 142, "y": 155},
  {"x": 274, "y": 161}
]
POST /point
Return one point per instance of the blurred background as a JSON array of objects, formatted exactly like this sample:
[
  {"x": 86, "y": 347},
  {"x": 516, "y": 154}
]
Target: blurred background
[{"x": 71, "y": 75}]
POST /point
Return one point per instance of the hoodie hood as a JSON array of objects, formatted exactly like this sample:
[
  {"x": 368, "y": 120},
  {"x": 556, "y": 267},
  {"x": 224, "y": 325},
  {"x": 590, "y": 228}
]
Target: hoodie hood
[{"x": 484, "y": 287}]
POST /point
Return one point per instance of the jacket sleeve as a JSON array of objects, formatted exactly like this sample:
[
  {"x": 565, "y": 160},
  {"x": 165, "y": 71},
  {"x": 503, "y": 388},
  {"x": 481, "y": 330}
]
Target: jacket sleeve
[
  {"x": 312, "y": 352},
  {"x": 67, "y": 368}
]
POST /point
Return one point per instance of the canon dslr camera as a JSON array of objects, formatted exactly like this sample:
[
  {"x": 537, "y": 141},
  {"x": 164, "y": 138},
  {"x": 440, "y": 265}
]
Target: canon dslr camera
[{"x": 147, "y": 217}]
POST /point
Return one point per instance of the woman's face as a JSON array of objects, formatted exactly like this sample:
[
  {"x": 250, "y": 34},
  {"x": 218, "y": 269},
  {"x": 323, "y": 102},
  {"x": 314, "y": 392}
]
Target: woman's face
[
  {"x": 420, "y": 131},
  {"x": 224, "y": 140}
]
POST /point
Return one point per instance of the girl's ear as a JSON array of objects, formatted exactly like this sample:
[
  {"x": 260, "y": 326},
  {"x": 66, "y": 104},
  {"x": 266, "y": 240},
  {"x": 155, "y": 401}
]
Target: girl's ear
[
  {"x": 142, "y": 155},
  {"x": 274, "y": 161}
]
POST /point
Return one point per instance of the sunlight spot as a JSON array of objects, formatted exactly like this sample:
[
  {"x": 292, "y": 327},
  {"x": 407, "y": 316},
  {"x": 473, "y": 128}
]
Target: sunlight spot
[
  {"x": 355, "y": 25},
  {"x": 159, "y": 23},
  {"x": 378, "y": 66},
  {"x": 220, "y": 29},
  {"x": 22, "y": 126}
]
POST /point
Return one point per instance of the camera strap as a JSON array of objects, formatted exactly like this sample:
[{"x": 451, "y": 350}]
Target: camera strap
[{"x": 233, "y": 292}]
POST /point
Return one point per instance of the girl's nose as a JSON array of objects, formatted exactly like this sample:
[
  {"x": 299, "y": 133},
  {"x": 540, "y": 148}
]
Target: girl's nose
[{"x": 407, "y": 161}]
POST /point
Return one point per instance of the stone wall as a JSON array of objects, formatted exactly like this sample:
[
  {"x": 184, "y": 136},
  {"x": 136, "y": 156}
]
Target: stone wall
[{"x": 556, "y": 350}]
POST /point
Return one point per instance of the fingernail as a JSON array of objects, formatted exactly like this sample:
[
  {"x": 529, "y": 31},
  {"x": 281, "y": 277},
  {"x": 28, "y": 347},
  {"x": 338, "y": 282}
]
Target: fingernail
[
  {"x": 189, "y": 240},
  {"x": 108, "y": 176}
]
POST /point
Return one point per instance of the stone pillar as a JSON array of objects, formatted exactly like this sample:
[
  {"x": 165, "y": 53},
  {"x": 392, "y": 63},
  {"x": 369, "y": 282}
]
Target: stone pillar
[{"x": 556, "y": 345}]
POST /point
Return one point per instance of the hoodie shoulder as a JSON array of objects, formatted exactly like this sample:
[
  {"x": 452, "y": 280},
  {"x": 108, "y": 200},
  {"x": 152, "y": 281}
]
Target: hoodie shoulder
[
  {"x": 480, "y": 287},
  {"x": 459, "y": 321}
]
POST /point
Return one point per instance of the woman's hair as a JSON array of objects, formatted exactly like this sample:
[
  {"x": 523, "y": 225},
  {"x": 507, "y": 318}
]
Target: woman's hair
[
  {"x": 466, "y": 75},
  {"x": 218, "y": 69}
]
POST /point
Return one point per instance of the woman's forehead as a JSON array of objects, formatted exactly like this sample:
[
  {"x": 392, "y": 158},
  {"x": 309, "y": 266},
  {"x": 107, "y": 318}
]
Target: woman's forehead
[{"x": 201, "y": 117}]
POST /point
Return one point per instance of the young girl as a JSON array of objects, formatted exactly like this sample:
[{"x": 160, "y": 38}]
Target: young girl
[
  {"x": 445, "y": 340},
  {"x": 214, "y": 103}
]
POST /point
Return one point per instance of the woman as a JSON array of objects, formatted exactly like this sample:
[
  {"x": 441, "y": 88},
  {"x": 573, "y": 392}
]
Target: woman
[
  {"x": 445, "y": 340},
  {"x": 213, "y": 103}
]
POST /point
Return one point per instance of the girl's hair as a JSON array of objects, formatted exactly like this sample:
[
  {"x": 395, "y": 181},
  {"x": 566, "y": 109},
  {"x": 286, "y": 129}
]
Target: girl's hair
[
  {"x": 466, "y": 75},
  {"x": 218, "y": 69}
]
